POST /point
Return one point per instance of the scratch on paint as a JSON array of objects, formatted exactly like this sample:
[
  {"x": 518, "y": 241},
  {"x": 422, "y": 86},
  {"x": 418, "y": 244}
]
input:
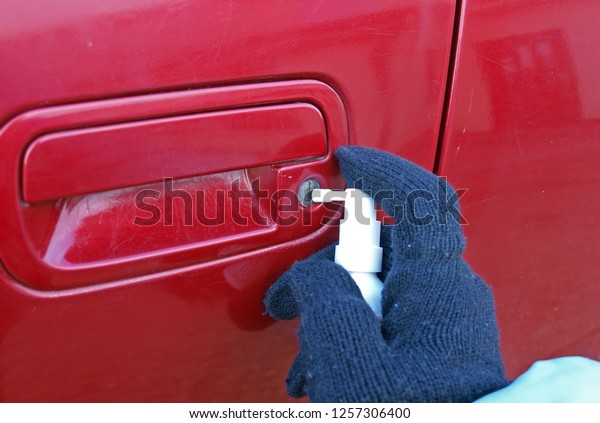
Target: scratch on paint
[
  {"x": 315, "y": 10},
  {"x": 471, "y": 100},
  {"x": 389, "y": 34},
  {"x": 519, "y": 143},
  {"x": 493, "y": 61},
  {"x": 456, "y": 153}
]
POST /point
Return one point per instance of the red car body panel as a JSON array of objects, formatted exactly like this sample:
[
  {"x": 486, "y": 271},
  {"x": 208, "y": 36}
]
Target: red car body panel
[
  {"x": 95, "y": 308},
  {"x": 522, "y": 135}
]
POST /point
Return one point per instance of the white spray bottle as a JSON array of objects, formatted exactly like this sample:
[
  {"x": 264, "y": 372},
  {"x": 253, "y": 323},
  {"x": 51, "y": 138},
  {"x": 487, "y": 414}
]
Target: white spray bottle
[{"x": 358, "y": 250}]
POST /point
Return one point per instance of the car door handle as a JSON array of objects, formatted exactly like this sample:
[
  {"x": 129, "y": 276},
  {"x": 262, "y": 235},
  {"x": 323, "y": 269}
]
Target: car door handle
[
  {"x": 74, "y": 176},
  {"x": 82, "y": 161}
]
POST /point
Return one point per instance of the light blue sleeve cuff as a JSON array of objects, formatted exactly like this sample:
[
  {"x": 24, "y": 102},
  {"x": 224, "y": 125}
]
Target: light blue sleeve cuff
[{"x": 565, "y": 379}]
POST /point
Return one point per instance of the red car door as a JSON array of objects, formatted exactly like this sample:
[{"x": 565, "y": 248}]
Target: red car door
[
  {"x": 522, "y": 135},
  {"x": 132, "y": 132}
]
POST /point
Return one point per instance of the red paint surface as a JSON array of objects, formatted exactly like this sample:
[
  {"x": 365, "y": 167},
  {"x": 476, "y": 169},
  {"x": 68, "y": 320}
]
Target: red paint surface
[
  {"x": 184, "y": 325},
  {"x": 522, "y": 135}
]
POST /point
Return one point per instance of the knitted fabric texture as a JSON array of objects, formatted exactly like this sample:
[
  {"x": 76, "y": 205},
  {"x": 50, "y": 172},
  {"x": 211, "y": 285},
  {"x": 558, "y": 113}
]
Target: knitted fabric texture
[{"x": 438, "y": 338}]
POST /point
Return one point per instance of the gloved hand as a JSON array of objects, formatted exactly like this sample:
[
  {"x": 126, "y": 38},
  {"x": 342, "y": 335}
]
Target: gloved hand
[{"x": 438, "y": 339}]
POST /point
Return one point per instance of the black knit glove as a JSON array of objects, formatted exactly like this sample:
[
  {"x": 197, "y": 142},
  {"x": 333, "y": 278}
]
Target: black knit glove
[{"x": 438, "y": 340}]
